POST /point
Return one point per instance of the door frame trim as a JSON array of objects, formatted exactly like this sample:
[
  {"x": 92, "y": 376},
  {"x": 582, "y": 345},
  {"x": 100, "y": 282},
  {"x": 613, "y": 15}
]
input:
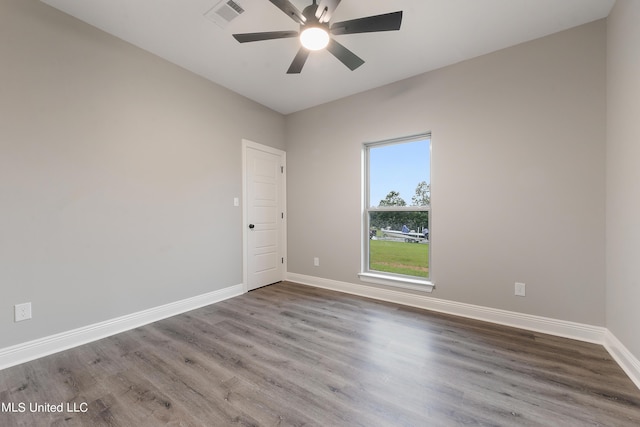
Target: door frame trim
[{"x": 247, "y": 144}]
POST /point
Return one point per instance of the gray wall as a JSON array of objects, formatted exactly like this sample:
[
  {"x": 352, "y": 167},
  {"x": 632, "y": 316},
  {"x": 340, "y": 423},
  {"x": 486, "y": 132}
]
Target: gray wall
[
  {"x": 518, "y": 178},
  {"x": 623, "y": 173},
  {"x": 117, "y": 172},
  {"x": 117, "y": 175}
]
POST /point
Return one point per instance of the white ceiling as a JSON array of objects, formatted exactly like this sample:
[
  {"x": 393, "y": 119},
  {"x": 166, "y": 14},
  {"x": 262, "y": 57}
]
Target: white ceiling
[{"x": 434, "y": 33}]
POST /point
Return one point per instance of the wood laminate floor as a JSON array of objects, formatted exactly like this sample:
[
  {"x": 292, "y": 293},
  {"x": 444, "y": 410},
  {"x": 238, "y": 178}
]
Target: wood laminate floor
[{"x": 289, "y": 354}]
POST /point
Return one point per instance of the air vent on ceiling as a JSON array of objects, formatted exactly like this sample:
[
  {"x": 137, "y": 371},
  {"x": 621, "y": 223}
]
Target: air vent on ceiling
[{"x": 224, "y": 12}]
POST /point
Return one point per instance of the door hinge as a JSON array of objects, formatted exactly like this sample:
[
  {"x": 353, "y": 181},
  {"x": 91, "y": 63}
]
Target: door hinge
[
  {"x": 282, "y": 215},
  {"x": 282, "y": 260},
  {"x": 281, "y": 169}
]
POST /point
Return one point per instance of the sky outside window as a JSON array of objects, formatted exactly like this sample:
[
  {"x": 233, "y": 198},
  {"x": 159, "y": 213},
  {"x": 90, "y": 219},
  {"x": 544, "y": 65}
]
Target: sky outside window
[{"x": 398, "y": 167}]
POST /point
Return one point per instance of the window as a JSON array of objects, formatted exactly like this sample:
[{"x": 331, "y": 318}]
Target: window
[{"x": 396, "y": 214}]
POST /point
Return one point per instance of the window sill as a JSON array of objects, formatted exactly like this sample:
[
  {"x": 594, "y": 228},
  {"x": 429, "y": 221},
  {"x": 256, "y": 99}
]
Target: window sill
[{"x": 398, "y": 282}]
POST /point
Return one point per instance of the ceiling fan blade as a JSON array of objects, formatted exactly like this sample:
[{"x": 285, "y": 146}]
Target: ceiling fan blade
[
  {"x": 386, "y": 22},
  {"x": 348, "y": 58},
  {"x": 298, "y": 61},
  {"x": 290, "y": 10},
  {"x": 325, "y": 9},
  {"x": 256, "y": 37}
]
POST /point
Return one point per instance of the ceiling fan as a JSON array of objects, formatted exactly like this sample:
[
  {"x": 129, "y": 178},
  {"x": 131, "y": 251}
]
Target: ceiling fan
[{"x": 315, "y": 30}]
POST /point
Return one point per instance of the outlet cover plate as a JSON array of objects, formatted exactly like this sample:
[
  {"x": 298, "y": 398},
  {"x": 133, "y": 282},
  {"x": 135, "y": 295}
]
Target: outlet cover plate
[{"x": 22, "y": 312}]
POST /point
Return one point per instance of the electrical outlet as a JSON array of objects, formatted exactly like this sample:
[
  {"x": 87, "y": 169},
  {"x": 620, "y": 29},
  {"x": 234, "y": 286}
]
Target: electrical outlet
[
  {"x": 520, "y": 289},
  {"x": 22, "y": 311},
  {"x": 316, "y": 262}
]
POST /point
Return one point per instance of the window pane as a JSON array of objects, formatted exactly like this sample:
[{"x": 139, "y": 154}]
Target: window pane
[
  {"x": 399, "y": 174},
  {"x": 399, "y": 243}
]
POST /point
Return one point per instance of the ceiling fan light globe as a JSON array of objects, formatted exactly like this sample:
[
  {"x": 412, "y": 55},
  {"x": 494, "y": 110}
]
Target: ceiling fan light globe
[{"x": 314, "y": 38}]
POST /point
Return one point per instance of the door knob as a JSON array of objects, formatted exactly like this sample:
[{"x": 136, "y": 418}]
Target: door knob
[{"x": 251, "y": 226}]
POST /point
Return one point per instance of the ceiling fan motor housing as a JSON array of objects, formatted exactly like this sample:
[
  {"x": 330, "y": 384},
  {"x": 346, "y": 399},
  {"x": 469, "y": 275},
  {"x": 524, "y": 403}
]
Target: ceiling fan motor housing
[{"x": 314, "y": 35}]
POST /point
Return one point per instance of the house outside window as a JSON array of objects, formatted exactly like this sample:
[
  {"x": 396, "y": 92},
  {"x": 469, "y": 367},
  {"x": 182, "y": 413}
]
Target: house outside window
[{"x": 396, "y": 213}]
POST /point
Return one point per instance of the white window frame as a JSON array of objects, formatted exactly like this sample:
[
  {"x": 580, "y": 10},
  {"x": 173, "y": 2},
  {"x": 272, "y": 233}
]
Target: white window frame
[{"x": 380, "y": 277}]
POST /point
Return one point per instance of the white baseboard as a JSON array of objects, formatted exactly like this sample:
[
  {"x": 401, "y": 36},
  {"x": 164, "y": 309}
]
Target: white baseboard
[
  {"x": 627, "y": 361},
  {"x": 21, "y": 353},
  {"x": 561, "y": 328},
  {"x": 35, "y": 349},
  {"x": 578, "y": 331}
]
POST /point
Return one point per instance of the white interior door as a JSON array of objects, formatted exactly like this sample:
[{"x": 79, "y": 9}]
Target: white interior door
[{"x": 264, "y": 215}]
